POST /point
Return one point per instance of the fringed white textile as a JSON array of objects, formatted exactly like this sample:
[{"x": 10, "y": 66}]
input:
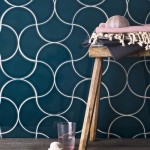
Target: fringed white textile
[{"x": 140, "y": 38}]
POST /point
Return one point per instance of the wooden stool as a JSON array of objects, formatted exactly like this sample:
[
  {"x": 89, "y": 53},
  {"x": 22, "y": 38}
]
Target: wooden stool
[{"x": 91, "y": 113}]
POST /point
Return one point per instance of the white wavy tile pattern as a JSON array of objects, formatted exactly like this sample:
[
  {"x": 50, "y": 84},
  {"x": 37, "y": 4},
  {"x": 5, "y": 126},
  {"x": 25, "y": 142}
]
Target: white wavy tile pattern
[{"x": 46, "y": 74}]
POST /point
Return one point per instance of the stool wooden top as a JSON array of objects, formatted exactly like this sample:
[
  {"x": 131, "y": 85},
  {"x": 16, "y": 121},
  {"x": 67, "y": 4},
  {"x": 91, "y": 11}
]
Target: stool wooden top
[{"x": 104, "y": 52}]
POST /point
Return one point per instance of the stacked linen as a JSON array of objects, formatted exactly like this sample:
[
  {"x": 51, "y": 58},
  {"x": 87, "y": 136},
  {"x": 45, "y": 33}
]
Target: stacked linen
[{"x": 122, "y": 41}]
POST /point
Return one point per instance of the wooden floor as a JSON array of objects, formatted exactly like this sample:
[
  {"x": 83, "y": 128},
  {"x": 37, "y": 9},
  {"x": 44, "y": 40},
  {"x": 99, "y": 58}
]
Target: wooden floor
[{"x": 103, "y": 144}]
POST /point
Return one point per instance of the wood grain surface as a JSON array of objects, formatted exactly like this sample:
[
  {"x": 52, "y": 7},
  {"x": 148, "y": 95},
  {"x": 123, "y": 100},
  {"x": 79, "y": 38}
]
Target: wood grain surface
[
  {"x": 93, "y": 129},
  {"x": 104, "y": 52},
  {"x": 102, "y": 144},
  {"x": 90, "y": 104}
]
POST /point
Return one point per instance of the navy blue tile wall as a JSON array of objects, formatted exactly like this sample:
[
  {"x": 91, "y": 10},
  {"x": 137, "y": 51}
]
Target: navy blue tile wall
[{"x": 45, "y": 73}]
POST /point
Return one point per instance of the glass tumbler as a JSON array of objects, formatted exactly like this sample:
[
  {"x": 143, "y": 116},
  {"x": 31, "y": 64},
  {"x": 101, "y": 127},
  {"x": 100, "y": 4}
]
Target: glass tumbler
[{"x": 66, "y": 134}]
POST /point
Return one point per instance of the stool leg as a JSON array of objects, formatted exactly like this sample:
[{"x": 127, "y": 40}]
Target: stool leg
[
  {"x": 93, "y": 128},
  {"x": 90, "y": 104}
]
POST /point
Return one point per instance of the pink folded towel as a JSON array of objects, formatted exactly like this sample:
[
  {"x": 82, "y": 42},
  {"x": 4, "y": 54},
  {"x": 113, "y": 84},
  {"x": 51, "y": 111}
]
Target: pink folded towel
[{"x": 130, "y": 29}]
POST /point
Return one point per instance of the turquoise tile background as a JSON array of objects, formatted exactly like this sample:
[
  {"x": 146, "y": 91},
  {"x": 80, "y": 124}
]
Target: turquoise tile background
[{"x": 45, "y": 73}]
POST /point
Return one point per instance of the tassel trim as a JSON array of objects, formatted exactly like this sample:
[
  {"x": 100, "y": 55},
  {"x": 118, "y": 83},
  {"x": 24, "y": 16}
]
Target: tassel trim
[{"x": 140, "y": 38}]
